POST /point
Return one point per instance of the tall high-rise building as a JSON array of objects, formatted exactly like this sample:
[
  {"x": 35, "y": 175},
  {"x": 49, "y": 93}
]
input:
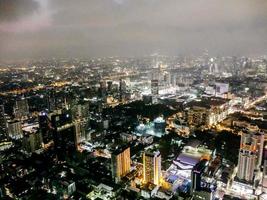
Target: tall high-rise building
[
  {"x": 167, "y": 79},
  {"x": 21, "y": 108},
  {"x": 109, "y": 86},
  {"x": 64, "y": 134},
  {"x": 81, "y": 126},
  {"x": 45, "y": 127},
  {"x": 120, "y": 163},
  {"x": 250, "y": 155},
  {"x": 246, "y": 165},
  {"x": 196, "y": 175},
  {"x": 83, "y": 110},
  {"x": 2, "y": 121},
  {"x": 155, "y": 87},
  {"x": 32, "y": 141},
  {"x": 264, "y": 174},
  {"x": 80, "y": 113},
  {"x": 122, "y": 89},
  {"x": 103, "y": 89},
  {"x": 51, "y": 100},
  {"x": 156, "y": 71},
  {"x": 152, "y": 167},
  {"x": 14, "y": 129},
  {"x": 80, "y": 110}
]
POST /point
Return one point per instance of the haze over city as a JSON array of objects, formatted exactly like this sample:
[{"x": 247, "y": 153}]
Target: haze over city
[{"x": 64, "y": 28}]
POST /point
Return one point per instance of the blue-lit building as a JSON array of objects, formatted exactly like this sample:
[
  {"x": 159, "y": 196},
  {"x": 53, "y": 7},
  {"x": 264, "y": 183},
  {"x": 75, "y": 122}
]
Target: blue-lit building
[{"x": 155, "y": 128}]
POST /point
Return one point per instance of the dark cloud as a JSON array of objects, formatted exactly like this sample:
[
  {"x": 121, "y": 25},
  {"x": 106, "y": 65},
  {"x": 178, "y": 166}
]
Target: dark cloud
[
  {"x": 136, "y": 27},
  {"x": 11, "y": 10}
]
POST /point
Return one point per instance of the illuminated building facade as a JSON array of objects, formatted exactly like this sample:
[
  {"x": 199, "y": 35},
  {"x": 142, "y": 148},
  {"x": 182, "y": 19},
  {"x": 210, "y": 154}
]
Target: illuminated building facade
[
  {"x": 221, "y": 89},
  {"x": 207, "y": 111},
  {"x": 51, "y": 100},
  {"x": 159, "y": 124},
  {"x": 14, "y": 129},
  {"x": 246, "y": 165},
  {"x": 32, "y": 141},
  {"x": 155, "y": 128},
  {"x": 80, "y": 128},
  {"x": 21, "y": 108},
  {"x": 154, "y": 87},
  {"x": 2, "y": 120},
  {"x": 264, "y": 175},
  {"x": 120, "y": 163},
  {"x": 152, "y": 167},
  {"x": 197, "y": 116},
  {"x": 250, "y": 155},
  {"x": 122, "y": 89}
]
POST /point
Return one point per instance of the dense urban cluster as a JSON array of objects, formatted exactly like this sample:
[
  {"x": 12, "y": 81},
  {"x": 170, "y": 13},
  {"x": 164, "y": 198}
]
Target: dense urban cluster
[{"x": 152, "y": 127}]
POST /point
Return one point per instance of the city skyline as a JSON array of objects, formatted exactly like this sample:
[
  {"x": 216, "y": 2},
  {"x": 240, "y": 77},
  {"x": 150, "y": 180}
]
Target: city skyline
[{"x": 133, "y": 99}]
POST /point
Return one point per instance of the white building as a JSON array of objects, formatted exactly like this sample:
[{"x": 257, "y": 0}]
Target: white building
[{"x": 250, "y": 155}]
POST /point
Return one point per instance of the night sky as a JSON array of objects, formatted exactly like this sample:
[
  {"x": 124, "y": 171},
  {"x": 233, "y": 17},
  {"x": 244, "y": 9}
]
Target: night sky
[{"x": 87, "y": 28}]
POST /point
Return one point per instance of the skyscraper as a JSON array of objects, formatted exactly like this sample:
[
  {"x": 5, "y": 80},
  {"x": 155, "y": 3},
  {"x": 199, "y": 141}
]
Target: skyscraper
[
  {"x": 81, "y": 126},
  {"x": 167, "y": 79},
  {"x": 51, "y": 99},
  {"x": 264, "y": 174},
  {"x": 45, "y": 127},
  {"x": 2, "y": 120},
  {"x": 122, "y": 89},
  {"x": 21, "y": 108},
  {"x": 246, "y": 165},
  {"x": 83, "y": 110},
  {"x": 120, "y": 163},
  {"x": 32, "y": 141},
  {"x": 64, "y": 134},
  {"x": 103, "y": 89},
  {"x": 14, "y": 129},
  {"x": 152, "y": 167},
  {"x": 155, "y": 87},
  {"x": 109, "y": 86},
  {"x": 250, "y": 155}
]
